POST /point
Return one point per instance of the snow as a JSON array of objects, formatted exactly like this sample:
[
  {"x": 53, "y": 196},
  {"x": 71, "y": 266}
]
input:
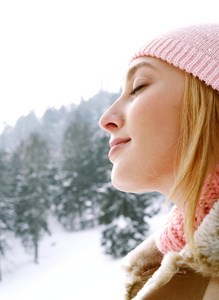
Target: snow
[{"x": 72, "y": 265}]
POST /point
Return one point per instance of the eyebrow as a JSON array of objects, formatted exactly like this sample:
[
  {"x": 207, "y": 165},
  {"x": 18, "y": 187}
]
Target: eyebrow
[{"x": 131, "y": 72}]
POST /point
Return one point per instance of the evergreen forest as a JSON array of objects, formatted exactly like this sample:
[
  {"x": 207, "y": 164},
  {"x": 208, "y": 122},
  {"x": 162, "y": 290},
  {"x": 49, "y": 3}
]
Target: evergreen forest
[{"x": 58, "y": 165}]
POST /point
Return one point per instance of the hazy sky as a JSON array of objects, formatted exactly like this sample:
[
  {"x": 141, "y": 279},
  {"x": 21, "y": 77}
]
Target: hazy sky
[{"x": 52, "y": 52}]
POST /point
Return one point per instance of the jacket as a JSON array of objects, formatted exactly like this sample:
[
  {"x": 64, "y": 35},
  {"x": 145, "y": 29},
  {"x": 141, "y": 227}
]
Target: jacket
[{"x": 149, "y": 274}]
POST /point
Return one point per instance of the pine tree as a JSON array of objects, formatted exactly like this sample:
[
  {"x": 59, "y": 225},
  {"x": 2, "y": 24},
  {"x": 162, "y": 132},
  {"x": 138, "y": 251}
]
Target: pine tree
[
  {"x": 6, "y": 204},
  {"x": 75, "y": 204},
  {"x": 31, "y": 191},
  {"x": 125, "y": 216}
]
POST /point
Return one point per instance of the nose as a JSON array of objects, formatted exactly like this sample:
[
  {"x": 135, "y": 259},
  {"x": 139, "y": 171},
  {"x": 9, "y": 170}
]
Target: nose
[{"x": 112, "y": 119}]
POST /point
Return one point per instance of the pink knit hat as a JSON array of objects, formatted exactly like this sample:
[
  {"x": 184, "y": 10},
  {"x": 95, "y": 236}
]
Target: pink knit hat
[{"x": 194, "y": 49}]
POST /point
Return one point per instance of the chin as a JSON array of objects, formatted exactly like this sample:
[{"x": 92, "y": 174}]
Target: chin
[{"x": 129, "y": 186}]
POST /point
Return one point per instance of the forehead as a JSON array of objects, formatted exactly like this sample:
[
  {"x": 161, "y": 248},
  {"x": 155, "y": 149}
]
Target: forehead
[
  {"x": 153, "y": 65},
  {"x": 138, "y": 63}
]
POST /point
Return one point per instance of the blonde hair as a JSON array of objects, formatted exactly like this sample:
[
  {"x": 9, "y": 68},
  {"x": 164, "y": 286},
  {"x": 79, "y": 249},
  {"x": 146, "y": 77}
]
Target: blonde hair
[{"x": 198, "y": 146}]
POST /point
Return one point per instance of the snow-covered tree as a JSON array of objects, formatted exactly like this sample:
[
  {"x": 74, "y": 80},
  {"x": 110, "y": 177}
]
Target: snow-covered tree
[
  {"x": 75, "y": 203},
  {"x": 31, "y": 192},
  {"x": 125, "y": 217},
  {"x": 6, "y": 204}
]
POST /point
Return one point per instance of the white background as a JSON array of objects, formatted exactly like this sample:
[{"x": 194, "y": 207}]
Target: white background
[{"x": 54, "y": 52}]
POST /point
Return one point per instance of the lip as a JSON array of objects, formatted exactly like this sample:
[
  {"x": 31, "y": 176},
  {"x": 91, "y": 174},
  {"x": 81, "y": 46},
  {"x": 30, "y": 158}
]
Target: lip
[{"x": 117, "y": 144}]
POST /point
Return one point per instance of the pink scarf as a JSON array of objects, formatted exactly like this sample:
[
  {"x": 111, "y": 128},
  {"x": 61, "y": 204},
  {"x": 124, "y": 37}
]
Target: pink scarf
[{"x": 172, "y": 238}]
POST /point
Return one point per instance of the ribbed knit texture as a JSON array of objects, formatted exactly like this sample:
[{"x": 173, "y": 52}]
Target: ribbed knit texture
[
  {"x": 194, "y": 49},
  {"x": 172, "y": 237}
]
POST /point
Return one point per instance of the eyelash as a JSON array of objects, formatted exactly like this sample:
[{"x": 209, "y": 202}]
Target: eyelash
[{"x": 137, "y": 89}]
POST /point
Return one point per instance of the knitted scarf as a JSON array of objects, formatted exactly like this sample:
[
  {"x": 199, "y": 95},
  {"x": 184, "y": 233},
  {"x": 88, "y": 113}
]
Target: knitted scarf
[{"x": 172, "y": 238}]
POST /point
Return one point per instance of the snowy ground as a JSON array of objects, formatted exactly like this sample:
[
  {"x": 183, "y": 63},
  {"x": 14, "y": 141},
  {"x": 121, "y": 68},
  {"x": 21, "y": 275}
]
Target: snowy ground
[{"x": 72, "y": 266}]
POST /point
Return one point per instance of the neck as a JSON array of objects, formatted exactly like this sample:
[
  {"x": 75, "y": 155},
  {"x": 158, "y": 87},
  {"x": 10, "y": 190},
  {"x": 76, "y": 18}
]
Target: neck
[{"x": 178, "y": 197}]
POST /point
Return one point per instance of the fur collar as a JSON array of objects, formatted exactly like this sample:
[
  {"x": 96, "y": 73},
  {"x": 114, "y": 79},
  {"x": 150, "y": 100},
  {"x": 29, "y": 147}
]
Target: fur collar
[{"x": 205, "y": 261}]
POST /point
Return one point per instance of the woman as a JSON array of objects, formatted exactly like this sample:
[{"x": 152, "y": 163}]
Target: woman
[{"x": 164, "y": 136}]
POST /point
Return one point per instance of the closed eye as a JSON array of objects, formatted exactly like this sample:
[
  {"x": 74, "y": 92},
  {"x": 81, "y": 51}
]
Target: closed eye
[{"x": 137, "y": 89}]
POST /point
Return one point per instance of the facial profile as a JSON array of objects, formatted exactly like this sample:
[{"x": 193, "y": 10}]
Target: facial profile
[
  {"x": 144, "y": 124},
  {"x": 164, "y": 137}
]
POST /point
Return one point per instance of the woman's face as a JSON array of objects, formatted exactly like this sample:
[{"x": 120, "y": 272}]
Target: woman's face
[{"x": 144, "y": 124}]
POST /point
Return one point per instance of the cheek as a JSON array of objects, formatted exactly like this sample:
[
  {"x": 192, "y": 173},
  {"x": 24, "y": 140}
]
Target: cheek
[
  {"x": 156, "y": 120},
  {"x": 144, "y": 116}
]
